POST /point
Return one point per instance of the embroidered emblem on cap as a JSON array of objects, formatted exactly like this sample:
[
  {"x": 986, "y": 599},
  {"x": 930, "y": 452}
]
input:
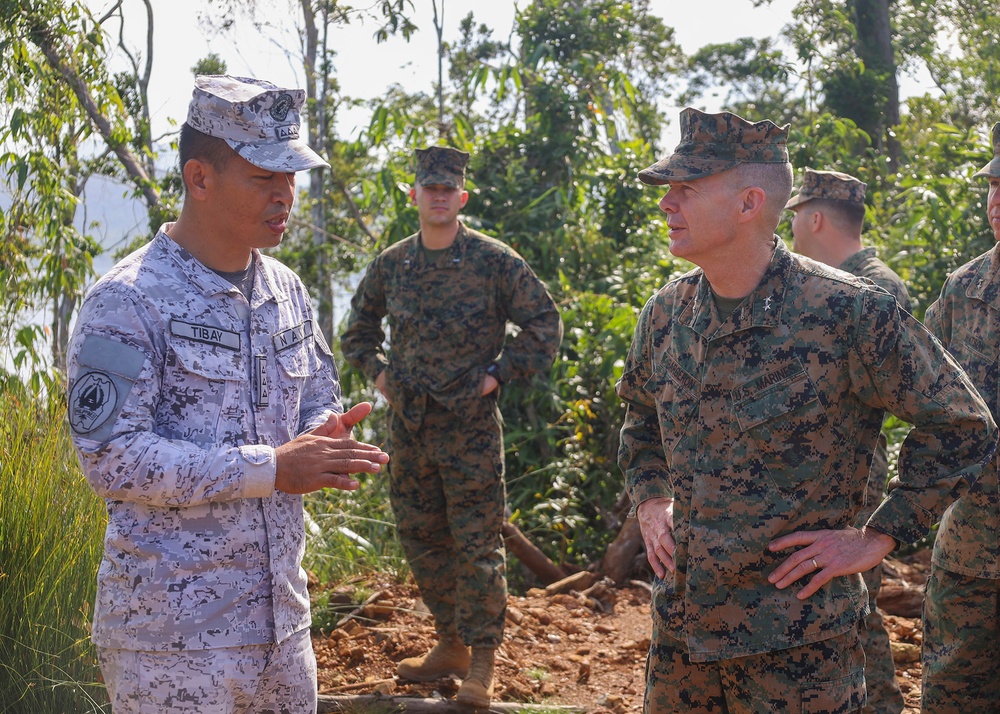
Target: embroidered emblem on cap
[{"x": 279, "y": 110}]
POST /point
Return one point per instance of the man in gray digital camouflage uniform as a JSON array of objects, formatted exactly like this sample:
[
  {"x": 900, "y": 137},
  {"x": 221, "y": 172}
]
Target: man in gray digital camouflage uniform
[
  {"x": 203, "y": 401},
  {"x": 961, "y": 656},
  {"x": 755, "y": 388},
  {"x": 449, "y": 293},
  {"x": 829, "y": 219}
]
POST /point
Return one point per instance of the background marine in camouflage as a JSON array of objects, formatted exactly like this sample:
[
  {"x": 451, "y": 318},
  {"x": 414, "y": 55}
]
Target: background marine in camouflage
[
  {"x": 202, "y": 404},
  {"x": 448, "y": 294},
  {"x": 962, "y": 603},
  {"x": 829, "y": 219},
  {"x": 749, "y": 431}
]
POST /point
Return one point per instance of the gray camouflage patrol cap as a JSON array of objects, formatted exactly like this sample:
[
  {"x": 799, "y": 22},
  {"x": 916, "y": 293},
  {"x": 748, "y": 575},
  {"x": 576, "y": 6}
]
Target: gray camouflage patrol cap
[
  {"x": 993, "y": 167},
  {"x": 258, "y": 119},
  {"x": 441, "y": 166},
  {"x": 831, "y": 185},
  {"x": 713, "y": 143}
]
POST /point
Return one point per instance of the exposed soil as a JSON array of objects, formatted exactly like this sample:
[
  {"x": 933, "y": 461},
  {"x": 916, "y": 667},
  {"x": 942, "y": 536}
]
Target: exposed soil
[{"x": 584, "y": 647}]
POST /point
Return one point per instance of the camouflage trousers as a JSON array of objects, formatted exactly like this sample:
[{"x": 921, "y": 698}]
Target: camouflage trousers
[
  {"x": 250, "y": 679},
  {"x": 884, "y": 695},
  {"x": 447, "y": 493},
  {"x": 825, "y": 677},
  {"x": 961, "y": 650}
]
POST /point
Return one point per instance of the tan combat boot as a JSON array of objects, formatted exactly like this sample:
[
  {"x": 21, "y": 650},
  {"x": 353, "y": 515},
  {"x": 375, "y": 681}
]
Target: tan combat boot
[
  {"x": 477, "y": 689},
  {"x": 448, "y": 657}
]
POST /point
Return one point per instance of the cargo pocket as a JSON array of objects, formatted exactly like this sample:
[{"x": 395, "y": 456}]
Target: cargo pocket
[{"x": 840, "y": 696}]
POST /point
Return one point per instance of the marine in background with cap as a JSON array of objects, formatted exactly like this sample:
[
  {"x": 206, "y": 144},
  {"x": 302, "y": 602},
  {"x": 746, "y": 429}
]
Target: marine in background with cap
[
  {"x": 829, "y": 218},
  {"x": 755, "y": 388},
  {"x": 203, "y": 402},
  {"x": 448, "y": 294},
  {"x": 961, "y": 616}
]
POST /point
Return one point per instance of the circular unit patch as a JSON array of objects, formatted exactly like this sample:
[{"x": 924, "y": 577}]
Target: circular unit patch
[{"x": 92, "y": 402}]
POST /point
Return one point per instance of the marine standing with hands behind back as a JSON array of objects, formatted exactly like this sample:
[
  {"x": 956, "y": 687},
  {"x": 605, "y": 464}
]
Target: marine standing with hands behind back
[
  {"x": 829, "y": 219},
  {"x": 960, "y": 654},
  {"x": 449, "y": 293},
  {"x": 203, "y": 402},
  {"x": 755, "y": 388}
]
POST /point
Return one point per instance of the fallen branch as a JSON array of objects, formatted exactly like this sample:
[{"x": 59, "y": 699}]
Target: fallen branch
[
  {"x": 529, "y": 554},
  {"x": 333, "y": 705},
  {"x": 356, "y": 611},
  {"x": 361, "y": 685}
]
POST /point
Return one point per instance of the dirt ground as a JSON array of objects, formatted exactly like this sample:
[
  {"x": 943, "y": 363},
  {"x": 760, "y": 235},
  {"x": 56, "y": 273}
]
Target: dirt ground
[{"x": 583, "y": 645}]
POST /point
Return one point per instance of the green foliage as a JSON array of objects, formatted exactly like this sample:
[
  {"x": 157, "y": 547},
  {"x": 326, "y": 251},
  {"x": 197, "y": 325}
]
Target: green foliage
[
  {"x": 353, "y": 533},
  {"x": 51, "y": 530}
]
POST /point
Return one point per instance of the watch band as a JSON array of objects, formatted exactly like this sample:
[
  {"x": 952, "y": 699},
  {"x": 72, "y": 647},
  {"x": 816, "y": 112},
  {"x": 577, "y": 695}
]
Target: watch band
[{"x": 494, "y": 371}]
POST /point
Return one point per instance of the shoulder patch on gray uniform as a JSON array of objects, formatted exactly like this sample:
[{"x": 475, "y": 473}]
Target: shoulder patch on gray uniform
[{"x": 108, "y": 370}]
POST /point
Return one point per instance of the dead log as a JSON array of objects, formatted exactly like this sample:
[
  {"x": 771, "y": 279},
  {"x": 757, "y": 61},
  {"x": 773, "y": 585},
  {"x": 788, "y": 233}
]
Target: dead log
[
  {"x": 901, "y": 600},
  {"x": 332, "y": 705},
  {"x": 577, "y": 581},
  {"x": 618, "y": 560},
  {"x": 529, "y": 554}
]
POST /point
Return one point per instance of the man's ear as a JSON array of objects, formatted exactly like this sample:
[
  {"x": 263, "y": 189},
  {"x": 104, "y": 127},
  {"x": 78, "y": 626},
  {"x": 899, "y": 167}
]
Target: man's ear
[
  {"x": 413, "y": 195},
  {"x": 816, "y": 221},
  {"x": 198, "y": 175},
  {"x": 465, "y": 198},
  {"x": 752, "y": 201}
]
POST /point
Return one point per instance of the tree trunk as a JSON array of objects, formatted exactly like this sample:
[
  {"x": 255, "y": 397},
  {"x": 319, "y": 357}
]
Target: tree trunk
[
  {"x": 874, "y": 46},
  {"x": 618, "y": 560}
]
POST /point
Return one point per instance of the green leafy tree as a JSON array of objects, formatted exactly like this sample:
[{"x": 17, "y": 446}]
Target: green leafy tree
[{"x": 60, "y": 97}]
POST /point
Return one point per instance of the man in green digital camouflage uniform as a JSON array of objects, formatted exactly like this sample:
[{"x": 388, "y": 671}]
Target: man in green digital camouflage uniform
[
  {"x": 448, "y": 294},
  {"x": 829, "y": 219},
  {"x": 755, "y": 388},
  {"x": 961, "y": 650}
]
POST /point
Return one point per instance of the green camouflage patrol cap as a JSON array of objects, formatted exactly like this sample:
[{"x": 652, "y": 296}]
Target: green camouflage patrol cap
[
  {"x": 993, "y": 167},
  {"x": 258, "y": 119},
  {"x": 713, "y": 143},
  {"x": 831, "y": 185},
  {"x": 441, "y": 166}
]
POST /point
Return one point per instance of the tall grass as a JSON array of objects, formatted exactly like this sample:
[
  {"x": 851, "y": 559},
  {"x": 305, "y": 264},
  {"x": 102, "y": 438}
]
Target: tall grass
[{"x": 51, "y": 530}]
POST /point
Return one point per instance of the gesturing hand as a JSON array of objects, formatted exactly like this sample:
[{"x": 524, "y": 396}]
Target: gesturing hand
[{"x": 326, "y": 456}]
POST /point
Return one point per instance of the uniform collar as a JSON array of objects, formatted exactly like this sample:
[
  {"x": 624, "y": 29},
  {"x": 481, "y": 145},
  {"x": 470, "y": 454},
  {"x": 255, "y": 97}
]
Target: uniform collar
[
  {"x": 986, "y": 285},
  {"x": 207, "y": 281},
  {"x": 416, "y": 258},
  {"x": 858, "y": 259},
  {"x": 761, "y": 308}
]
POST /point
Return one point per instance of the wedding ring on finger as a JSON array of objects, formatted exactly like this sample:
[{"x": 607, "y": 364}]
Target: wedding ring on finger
[{"x": 815, "y": 564}]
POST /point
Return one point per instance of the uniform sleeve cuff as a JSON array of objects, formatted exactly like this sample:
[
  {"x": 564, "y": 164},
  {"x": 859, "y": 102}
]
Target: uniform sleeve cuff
[
  {"x": 259, "y": 470},
  {"x": 901, "y": 519},
  {"x": 647, "y": 490}
]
